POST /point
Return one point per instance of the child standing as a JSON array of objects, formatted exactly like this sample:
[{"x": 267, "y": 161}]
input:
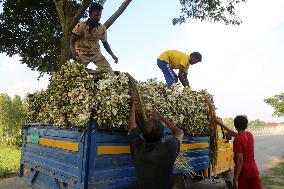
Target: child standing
[{"x": 246, "y": 175}]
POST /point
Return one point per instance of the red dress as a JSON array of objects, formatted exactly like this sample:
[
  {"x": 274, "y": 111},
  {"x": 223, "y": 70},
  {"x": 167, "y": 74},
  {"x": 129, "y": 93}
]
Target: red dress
[{"x": 249, "y": 176}]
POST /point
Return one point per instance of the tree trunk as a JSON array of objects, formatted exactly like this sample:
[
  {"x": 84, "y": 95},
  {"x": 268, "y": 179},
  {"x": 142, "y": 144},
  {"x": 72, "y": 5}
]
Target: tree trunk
[
  {"x": 117, "y": 13},
  {"x": 65, "y": 52}
]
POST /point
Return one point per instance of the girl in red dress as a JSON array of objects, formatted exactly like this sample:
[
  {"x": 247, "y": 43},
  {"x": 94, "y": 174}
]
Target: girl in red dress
[{"x": 246, "y": 175}]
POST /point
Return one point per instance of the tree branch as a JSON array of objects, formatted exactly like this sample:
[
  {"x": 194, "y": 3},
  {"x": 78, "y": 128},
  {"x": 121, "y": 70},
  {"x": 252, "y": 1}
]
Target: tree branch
[
  {"x": 117, "y": 13},
  {"x": 60, "y": 11},
  {"x": 85, "y": 4}
]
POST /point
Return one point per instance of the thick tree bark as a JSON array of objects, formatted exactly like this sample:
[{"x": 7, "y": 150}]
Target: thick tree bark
[
  {"x": 117, "y": 13},
  {"x": 60, "y": 11},
  {"x": 65, "y": 52},
  {"x": 80, "y": 12}
]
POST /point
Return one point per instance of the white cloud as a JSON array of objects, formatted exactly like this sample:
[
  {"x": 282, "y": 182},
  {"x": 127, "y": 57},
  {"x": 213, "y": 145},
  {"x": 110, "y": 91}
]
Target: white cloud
[
  {"x": 242, "y": 64},
  {"x": 18, "y": 79}
]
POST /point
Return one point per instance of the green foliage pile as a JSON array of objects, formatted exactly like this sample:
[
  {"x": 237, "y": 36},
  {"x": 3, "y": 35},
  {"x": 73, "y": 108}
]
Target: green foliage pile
[
  {"x": 69, "y": 98},
  {"x": 112, "y": 100},
  {"x": 184, "y": 107},
  {"x": 74, "y": 96},
  {"x": 9, "y": 160}
]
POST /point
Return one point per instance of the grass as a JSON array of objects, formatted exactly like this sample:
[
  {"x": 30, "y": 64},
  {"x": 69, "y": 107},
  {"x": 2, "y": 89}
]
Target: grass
[
  {"x": 9, "y": 160},
  {"x": 274, "y": 177}
]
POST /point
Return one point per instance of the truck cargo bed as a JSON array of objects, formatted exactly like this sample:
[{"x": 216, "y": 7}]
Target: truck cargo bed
[{"x": 91, "y": 158}]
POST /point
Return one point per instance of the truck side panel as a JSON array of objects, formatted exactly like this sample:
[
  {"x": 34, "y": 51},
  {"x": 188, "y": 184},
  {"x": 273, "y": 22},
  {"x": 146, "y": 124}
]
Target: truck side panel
[
  {"x": 111, "y": 165},
  {"x": 95, "y": 158},
  {"x": 47, "y": 162},
  {"x": 197, "y": 150}
]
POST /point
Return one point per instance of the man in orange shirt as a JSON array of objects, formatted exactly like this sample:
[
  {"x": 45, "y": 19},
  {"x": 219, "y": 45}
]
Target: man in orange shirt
[
  {"x": 85, "y": 37},
  {"x": 173, "y": 59}
]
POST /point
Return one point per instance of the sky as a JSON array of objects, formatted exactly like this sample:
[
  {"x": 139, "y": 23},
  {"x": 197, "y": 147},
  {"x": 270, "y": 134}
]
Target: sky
[{"x": 242, "y": 65}]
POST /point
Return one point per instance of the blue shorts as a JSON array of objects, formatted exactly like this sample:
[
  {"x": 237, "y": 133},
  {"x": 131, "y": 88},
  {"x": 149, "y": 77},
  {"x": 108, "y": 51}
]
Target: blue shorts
[{"x": 169, "y": 74}]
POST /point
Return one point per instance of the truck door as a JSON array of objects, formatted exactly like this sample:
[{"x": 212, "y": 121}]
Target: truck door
[{"x": 225, "y": 153}]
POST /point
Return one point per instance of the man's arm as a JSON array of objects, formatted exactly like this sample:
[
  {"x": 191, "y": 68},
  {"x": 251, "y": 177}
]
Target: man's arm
[
  {"x": 73, "y": 39},
  {"x": 230, "y": 131},
  {"x": 132, "y": 121},
  {"x": 238, "y": 168},
  {"x": 178, "y": 133},
  {"x": 108, "y": 49},
  {"x": 183, "y": 76}
]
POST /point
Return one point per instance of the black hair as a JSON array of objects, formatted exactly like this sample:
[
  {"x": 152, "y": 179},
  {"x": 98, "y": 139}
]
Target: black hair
[
  {"x": 95, "y": 7},
  {"x": 155, "y": 132},
  {"x": 241, "y": 122},
  {"x": 197, "y": 56}
]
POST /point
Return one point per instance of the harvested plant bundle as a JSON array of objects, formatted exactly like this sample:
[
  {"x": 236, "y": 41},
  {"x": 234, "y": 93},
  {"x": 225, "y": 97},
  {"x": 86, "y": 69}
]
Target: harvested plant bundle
[
  {"x": 182, "y": 162},
  {"x": 74, "y": 96},
  {"x": 186, "y": 108},
  {"x": 69, "y": 98},
  {"x": 112, "y": 100}
]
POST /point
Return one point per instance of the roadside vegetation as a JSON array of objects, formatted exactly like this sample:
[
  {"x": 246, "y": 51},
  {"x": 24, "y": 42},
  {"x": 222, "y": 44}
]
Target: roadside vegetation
[
  {"x": 274, "y": 177},
  {"x": 9, "y": 160},
  {"x": 12, "y": 116}
]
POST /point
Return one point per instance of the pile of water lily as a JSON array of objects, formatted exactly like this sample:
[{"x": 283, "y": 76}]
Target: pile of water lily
[{"x": 74, "y": 96}]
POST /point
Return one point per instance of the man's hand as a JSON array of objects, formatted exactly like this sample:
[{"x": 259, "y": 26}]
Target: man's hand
[
  {"x": 155, "y": 113},
  {"x": 115, "y": 59},
  {"x": 133, "y": 102},
  {"x": 229, "y": 130},
  {"x": 219, "y": 121}
]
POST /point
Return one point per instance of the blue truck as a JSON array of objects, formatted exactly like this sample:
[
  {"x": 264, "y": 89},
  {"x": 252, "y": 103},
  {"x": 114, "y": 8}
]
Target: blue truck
[{"x": 98, "y": 158}]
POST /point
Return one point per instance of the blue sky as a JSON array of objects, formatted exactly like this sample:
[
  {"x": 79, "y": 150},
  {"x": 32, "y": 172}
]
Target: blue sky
[{"x": 242, "y": 65}]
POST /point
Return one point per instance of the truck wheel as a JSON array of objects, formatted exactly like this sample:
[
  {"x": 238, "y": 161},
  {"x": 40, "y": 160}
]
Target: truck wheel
[
  {"x": 228, "y": 177},
  {"x": 229, "y": 184},
  {"x": 178, "y": 182}
]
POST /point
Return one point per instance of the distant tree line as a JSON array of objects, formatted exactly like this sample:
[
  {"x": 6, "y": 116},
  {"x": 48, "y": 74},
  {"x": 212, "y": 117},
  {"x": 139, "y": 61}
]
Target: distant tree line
[
  {"x": 229, "y": 121},
  {"x": 13, "y": 112}
]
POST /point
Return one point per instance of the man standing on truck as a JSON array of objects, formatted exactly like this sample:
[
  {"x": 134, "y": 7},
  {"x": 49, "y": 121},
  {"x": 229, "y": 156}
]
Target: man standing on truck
[
  {"x": 246, "y": 175},
  {"x": 84, "y": 41},
  {"x": 173, "y": 59},
  {"x": 153, "y": 158}
]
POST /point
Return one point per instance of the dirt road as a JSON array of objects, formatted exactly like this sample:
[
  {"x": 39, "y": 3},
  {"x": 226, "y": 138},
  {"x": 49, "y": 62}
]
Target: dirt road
[{"x": 268, "y": 150}]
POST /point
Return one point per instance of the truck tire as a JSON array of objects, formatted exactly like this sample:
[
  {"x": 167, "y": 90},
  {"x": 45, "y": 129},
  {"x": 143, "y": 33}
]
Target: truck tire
[
  {"x": 178, "y": 182},
  {"x": 228, "y": 177}
]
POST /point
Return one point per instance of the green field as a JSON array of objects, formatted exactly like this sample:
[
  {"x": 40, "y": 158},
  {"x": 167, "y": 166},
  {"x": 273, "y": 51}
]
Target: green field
[
  {"x": 274, "y": 178},
  {"x": 9, "y": 160}
]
